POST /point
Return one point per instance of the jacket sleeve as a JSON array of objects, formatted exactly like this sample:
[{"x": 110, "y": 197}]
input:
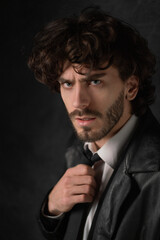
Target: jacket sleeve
[{"x": 52, "y": 228}]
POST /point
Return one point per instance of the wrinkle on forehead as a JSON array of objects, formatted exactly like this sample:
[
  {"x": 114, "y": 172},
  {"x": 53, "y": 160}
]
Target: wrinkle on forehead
[
  {"x": 78, "y": 68},
  {"x": 83, "y": 69},
  {"x": 94, "y": 75}
]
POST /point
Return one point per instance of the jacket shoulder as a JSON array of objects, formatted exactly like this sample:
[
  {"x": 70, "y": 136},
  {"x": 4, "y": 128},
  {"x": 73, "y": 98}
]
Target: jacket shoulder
[{"x": 143, "y": 154}]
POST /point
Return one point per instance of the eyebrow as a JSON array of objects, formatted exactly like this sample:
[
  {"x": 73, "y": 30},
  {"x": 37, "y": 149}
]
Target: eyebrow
[
  {"x": 97, "y": 75},
  {"x": 89, "y": 77}
]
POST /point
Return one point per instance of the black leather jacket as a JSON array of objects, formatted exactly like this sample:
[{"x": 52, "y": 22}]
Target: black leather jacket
[{"x": 130, "y": 206}]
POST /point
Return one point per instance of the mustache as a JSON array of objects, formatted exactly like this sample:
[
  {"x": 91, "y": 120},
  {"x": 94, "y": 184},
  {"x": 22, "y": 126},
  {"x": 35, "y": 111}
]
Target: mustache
[{"x": 85, "y": 112}]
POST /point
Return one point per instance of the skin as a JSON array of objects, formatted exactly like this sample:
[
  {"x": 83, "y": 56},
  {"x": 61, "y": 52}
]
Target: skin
[{"x": 90, "y": 100}]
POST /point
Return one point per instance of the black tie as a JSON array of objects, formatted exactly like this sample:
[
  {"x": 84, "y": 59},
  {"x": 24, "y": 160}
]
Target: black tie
[
  {"x": 93, "y": 158},
  {"x": 78, "y": 213}
]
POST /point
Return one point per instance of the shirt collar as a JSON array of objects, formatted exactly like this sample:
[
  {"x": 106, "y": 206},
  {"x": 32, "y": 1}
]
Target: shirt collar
[{"x": 110, "y": 151}]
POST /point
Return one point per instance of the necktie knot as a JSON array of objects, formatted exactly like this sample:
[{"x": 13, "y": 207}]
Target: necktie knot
[{"x": 91, "y": 157}]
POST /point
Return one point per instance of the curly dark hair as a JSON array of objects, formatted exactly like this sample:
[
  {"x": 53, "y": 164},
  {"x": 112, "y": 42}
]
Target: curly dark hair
[{"x": 90, "y": 40}]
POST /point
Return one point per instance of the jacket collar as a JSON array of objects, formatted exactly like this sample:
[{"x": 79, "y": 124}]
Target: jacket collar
[{"x": 143, "y": 154}]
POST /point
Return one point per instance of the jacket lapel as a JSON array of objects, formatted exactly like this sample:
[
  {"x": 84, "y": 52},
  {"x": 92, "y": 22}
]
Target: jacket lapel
[
  {"x": 112, "y": 205},
  {"x": 122, "y": 188}
]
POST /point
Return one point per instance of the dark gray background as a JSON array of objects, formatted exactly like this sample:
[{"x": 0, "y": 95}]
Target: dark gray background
[{"x": 35, "y": 122}]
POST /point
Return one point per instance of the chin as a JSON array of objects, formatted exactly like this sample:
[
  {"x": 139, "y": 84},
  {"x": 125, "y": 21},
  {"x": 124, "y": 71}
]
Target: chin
[{"x": 89, "y": 136}]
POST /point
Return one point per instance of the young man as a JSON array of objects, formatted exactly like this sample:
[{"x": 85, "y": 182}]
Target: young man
[{"x": 102, "y": 68}]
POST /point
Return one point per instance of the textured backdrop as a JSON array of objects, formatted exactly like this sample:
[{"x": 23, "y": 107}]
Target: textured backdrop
[{"x": 35, "y": 122}]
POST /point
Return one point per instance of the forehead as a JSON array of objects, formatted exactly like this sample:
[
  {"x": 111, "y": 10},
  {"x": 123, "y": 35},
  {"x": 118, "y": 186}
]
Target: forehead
[
  {"x": 72, "y": 72},
  {"x": 79, "y": 71}
]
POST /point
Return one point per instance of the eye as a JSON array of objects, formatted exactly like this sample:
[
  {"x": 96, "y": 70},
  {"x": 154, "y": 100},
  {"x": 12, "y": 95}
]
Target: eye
[
  {"x": 66, "y": 84},
  {"x": 95, "y": 82}
]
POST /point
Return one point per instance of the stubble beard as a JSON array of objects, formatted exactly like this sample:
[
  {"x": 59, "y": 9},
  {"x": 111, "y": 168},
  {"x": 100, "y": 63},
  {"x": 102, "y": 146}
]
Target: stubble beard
[{"x": 110, "y": 119}]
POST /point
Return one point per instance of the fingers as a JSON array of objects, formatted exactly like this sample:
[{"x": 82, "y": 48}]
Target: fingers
[
  {"x": 76, "y": 194},
  {"x": 77, "y": 185},
  {"x": 82, "y": 189},
  {"x": 80, "y": 180},
  {"x": 80, "y": 170},
  {"x": 83, "y": 198},
  {"x": 68, "y": 202}
]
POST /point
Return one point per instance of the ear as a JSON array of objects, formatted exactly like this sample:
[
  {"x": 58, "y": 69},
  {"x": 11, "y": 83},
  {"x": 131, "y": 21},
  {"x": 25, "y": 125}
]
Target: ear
[{"x": 131, "y": 87}]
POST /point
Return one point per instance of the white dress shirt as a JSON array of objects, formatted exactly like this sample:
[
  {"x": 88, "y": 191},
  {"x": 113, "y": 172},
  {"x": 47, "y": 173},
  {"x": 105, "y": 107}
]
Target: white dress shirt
[{"x": 109, "y": 153}]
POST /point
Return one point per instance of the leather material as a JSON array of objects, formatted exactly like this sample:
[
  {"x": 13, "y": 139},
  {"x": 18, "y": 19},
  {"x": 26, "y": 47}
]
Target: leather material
[{"x": 129, "y": 208}]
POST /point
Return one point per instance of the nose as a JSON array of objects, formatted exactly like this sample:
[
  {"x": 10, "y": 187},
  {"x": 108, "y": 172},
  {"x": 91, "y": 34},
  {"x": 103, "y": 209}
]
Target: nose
[{"x": 81, "y": 98}]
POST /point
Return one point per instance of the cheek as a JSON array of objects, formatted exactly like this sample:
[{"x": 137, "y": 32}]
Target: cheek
[
  {"x": 105, "y": 101},
  {"x": 115, "y": 92},
  {"x": 67, "y": 102},
  {"x": 102, "y": 101}
]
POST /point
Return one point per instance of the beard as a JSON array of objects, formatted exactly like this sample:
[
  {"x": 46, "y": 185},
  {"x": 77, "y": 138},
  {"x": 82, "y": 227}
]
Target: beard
[{"x": 109, "y": 120}]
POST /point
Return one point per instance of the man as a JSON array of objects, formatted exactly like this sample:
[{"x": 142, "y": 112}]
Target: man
[{"x": 102, "y": 68}]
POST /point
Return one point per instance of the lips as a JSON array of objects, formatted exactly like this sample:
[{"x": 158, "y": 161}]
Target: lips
[{"x": 85, "y": 121}]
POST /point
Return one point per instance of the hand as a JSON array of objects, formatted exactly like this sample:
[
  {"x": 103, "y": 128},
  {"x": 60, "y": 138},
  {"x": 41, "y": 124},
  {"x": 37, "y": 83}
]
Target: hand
[{"x": 77, "y": 185}]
